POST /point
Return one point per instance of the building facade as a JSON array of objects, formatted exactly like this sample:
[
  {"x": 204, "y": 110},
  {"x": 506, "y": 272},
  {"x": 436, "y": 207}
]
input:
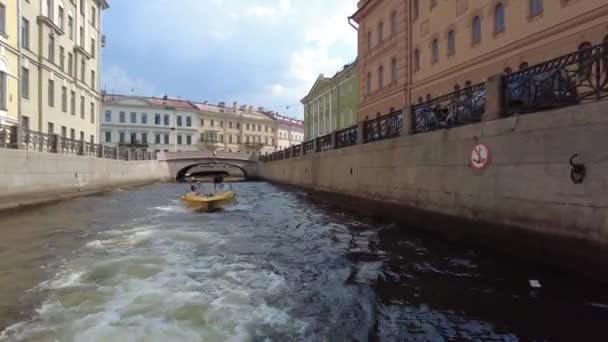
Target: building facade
[
  {"x": 289, "y": 131},
  {"x": 149, "y": 124},
  {"x": 331, "y": 103},
  {"x": 60, "y": 46},
  {"x": 434, "y": 47},
  {"x": 9, "y": 63}
]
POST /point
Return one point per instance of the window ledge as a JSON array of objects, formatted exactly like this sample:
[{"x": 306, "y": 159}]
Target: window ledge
[
  {"x": 46, "y": 20},
  {"x": 535, "y": 17}
]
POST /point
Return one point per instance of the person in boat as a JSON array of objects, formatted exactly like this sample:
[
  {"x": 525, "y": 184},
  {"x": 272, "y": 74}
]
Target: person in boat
[
  {"x": 194, "y": 187},
  {"x": 218, "y": 183}
]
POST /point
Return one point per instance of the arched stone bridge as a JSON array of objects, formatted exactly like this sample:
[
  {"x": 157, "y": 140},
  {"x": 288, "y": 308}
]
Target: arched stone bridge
[{"x": 180, "y": 163}]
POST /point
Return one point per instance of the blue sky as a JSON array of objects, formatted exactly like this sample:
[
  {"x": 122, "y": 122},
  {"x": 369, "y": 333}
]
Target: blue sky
[{"x": 257, "y": 52}]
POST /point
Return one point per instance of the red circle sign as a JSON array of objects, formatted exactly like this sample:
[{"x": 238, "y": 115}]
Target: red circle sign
[{"x": 480, "y": 157}]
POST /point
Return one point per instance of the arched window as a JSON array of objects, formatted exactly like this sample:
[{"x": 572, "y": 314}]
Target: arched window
[
  {"x": 416, "y": 60},
  {"x": 457, "y": 87},
  {"x": 369, "y": 40},
  {"x": 381, "y": 77},
  {"x": 499, "y": 18},
  {"x": 435, "y": 51},
  {"x": 508, "y": 70},
  {"x": 476, "y": 30},
  {"x": 368, "y": 87},
  {"x": 523, "y": 65},
  {"x": 536, "y": 7},
  {"x": 394, "y": 70},
  {"x": 394, "y": 24},
  {"x": 467, "y": 84},
  {"x": 451, "y": 43},
  {"x": 380, "y": 31}
]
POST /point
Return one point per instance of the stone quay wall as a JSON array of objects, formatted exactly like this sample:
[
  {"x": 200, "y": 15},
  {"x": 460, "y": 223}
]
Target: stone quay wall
[
  {"x": 524, "y": 202},
  {"x": 29, "y": 177}
]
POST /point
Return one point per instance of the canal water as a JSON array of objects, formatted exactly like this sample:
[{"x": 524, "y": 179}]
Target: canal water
[{"x": 135, "y": 265}]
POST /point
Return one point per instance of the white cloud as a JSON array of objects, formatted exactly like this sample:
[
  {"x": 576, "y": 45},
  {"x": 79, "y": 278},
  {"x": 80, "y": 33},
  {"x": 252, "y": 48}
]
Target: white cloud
[{"x": 117, "y": 80}]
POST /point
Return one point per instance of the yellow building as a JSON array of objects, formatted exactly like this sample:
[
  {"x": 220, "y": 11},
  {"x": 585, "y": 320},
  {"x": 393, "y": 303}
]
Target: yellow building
[{"x": 9, "y": 63}]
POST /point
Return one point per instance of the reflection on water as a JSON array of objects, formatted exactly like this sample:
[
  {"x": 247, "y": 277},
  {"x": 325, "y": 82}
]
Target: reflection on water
[{"x": 137, "y": 266}]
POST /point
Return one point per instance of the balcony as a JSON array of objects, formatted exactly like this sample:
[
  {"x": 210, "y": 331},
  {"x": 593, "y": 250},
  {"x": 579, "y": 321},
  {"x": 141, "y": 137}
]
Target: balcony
[
  {"x": 133, "y": 144},
  {"x": 83, "y": 51},
  {"x": 43, "y": 19}
]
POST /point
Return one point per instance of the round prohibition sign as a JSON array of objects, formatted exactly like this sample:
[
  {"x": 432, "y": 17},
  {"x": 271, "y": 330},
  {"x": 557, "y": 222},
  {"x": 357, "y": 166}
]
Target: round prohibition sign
[{"x": 480, "y": 157}]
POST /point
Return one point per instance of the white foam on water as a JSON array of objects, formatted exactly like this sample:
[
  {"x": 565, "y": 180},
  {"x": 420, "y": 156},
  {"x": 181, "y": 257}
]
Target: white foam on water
[{"x": 146, "y": 283}]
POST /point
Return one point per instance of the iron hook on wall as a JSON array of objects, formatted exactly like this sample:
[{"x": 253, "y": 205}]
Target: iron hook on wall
[{"x": 578, "y": 172}]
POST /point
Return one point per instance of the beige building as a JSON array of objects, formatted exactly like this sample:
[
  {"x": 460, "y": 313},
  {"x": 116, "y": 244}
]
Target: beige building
[
  {"x": 61, "y": 45},
  {"x": 9, "y": 63},
  {"x": 417, "y": 49},
  {"x": 236, "y": 128}
]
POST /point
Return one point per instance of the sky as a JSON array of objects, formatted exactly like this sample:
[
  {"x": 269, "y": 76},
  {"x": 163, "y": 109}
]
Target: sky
[{"x": 264, "y": 53}]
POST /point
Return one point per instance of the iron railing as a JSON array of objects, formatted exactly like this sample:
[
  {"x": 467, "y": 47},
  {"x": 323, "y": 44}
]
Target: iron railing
[
  {"x": 324, "y": 143},
  {"x": 567, "y": 80},
  {"x": 110, "y": 152},
  {"x": 297, "y": 150},
  {"x": 345, "y": 137},
  {"x": 70, "y": 146},
  {"x": 6, "y": 136},
  {"x": 287, "y": 153},
  {"x": 383, "y": 127},
  {"x": 308, "y": 146},
  {"x": 459, "y": 108},
  {"x": 92, "y": 150},
  {"x": 38, "y": 141}
]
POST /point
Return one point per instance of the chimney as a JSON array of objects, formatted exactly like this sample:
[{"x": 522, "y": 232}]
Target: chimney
[
  {"x": 261, "y": 109},
  {"x": 250, "y": 109},
  {"x": 234, "y": 106},
  {"x": 222, "y": 104}
]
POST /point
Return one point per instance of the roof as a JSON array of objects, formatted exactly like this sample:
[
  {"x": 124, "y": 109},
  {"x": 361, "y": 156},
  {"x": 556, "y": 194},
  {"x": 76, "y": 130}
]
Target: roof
[
  {"x": 291, "y": 122},
  {"x": 361, "y": 4},
  {"x": 229, "y": 110},
  {"x": 153, "y": 101}
]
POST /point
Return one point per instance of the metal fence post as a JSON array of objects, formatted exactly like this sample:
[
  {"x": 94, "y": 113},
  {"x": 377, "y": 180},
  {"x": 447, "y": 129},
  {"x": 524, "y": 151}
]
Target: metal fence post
[
  {"x": 361, "y": 132},
  {"x": 408, "y": 120},
  {"x": 17, "y": 135}
]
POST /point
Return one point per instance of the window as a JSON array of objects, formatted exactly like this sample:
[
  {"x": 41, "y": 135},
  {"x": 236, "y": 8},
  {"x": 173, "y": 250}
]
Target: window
[
  {"x": 166, "y": 139},
  {"x": 229, "y": 124},
  {"x": 49, "y": 9},
  {"x": 179, "y": 120},
  {"x": 394, "y": 24},
  {"x": 467, "y": 84},
  {"x": 133, "y": 117},
  {"x": 50, "y": 128},
  {"x": 61, "y": 58},
  {"x": 64, "y": 99},
  {"x": 82, "y": 7},
  {"x": 82, "y": 107},
  {"x": 381, "y": 77},
  {"x": 451, "y": 43},
  {"x": 108, "y": 137},
  {"x": 2, "y": 19},
  {"x": 71, "y": 27},
  {"x": 144, "y": 118},
  {"x": 25, "y": 122},
  {"x": 25, "y": 33},
  {"x": 108, "y": 116},
  {"x": 476, "y": 30},
  {"x": 72, "y": 133},
  {"x": 92, "y": 139},
  {"x": 60, "y": 18},
  {"x": 157, "y": 119},
  {"x": 157, "y": 138},
  {"x": 415, "y": 9},
  {"x": 25, "y": 83},
  {"x": 64, "y": 131},
  {"x": 394, "y": 70},
  {"x": 93, "y": 79},
  {"x": 416, "y": 60},
  {"x": 70, "y": 63},
  {"x": 259, "y": 128},
  {"x": 179, "y": 139},
  {"x": 369, "y": 40},
  {"x": 144, "y": 138},
  {"x": 93, "y": 47},
  {"x": 51, "y": 48},
  {"x": 523, "y": 65},
  {"x": 247, "y": 127},
  {"x": 230, "y": 139},
  {"x": 133, "y": 138},
  {"x": 83, "y": 67},
  {"x": 368, "y": 87},
  {"x": 212, "y": 123},
  {"x": 188, "y": 140},
  {"x": 536, "y": 7},
  {"x": 435, "y": 51},
  {"x": 499, "y": 18},
  {"x": 584, "y": 60},
  {"x": 73, "y": 103},
  {"x": 433, "y": 4},
  {"x": 81, "y": 37},
  {"x": 221, "y": 123},
  {"x": 51, "y": 94},
  {"x": 380, "y": 31},
  {"x": 508, "y": 71},
  {"x": 93, "y": 16},
  {"x": 92, "y": 112},
  {"x": 121, "y": 137},
  {"x": 81, "y": 135},
  {"x": 166, "y": 120},
  {"x": 238, "y": 125},
  {"x": 188, "y": 121}
]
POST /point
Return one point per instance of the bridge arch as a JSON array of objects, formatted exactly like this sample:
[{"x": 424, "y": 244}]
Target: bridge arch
[{"x": 181, "y": 174}]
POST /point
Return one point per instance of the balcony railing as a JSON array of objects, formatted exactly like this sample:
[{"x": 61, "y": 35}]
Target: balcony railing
[
  {"x": 345, "y": 137},
  {"x": 70, "y": 146},
  {"x": 41, "y": 142},
  {"x": 383, "y": 127},
  {"x": 567, "y": 80},
  {"x": 6, "y": 136},
  {"x": 461, "y": 107},
  {"x": 324, "y": 143}
]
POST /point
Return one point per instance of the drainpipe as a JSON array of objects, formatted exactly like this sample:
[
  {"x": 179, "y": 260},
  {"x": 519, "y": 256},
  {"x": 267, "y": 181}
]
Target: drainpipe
[{"x": 19, "y": 64}]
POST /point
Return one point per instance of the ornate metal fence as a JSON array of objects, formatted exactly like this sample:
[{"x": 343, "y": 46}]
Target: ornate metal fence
[
  {"x": 345, "y": 137},
  {"x": 92, "y": 150},
  {"x": 308, "y": 146},
  {"x": 110, "y": 152},
  {"x": 383, "y": 127},
  {"x": 461, "y": 107},
  {"x": 37, "y": 141},
  {"x": 324, "y": 143},
  {"x": 563, "y": 81},
  {"x": 6, "y": 136},
  {"x": 70, "y": 146}
]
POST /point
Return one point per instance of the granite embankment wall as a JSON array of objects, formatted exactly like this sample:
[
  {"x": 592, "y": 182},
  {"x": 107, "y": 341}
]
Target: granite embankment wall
[
  {"x": 28, "y": 177},
  {"x": 524, "y": 202}
]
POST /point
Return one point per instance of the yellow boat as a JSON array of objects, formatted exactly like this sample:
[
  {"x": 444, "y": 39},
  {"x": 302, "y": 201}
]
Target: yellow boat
[{"x": 209, "y": 203}]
